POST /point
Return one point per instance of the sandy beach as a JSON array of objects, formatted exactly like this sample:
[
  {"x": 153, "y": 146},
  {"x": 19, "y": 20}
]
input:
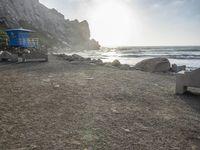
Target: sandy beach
[{"x": 60, "y": 105}]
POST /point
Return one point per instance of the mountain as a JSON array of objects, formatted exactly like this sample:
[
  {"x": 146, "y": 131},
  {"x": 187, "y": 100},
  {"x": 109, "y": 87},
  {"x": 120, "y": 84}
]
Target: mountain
[{"x": 51, "y": 26}]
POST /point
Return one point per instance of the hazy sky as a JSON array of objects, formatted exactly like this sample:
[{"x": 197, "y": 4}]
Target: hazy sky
[{"x": 136, "y": 22}]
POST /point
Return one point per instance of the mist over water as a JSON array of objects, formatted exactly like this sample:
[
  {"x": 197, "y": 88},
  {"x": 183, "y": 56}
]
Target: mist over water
[{"x": 189, "y": 56}]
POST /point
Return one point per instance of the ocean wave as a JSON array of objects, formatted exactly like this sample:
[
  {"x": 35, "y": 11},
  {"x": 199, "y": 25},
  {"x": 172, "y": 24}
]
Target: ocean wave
[
  {"x": 159, "y": 47},
  {"x": 160, "y": 50},
  {"x": 166, "y": 56}
]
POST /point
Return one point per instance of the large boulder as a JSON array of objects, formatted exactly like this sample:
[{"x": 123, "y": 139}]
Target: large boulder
[{"x": 154, "y": 65}]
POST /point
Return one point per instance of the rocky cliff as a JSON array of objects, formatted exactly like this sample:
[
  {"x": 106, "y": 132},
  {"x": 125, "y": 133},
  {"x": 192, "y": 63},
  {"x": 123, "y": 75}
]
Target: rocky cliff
[{"x": 49, "y": 24}]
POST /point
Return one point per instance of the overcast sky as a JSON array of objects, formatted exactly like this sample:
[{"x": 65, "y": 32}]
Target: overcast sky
[{"x": 136, "y": 22}]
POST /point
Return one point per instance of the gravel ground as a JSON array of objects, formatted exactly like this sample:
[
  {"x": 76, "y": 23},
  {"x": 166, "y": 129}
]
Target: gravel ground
[{"x": 59, "y": 105}]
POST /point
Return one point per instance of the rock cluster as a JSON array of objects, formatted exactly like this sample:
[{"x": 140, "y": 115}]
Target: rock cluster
[
  {"x": 7, "y": 56},
  {"x": 175, "y": 68},
  {"x": 147, "y": 65},
  {"x": 77, "y": 59},
  {"x": 74, "y": 58}
]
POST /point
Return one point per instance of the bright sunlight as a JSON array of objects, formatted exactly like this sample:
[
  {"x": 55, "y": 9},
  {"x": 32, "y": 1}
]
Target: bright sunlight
[{"x": 113, "y": 23}]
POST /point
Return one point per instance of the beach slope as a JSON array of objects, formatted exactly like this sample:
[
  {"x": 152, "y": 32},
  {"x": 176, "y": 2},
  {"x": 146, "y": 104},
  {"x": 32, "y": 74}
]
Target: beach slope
[{"x": 61, "y": 105}]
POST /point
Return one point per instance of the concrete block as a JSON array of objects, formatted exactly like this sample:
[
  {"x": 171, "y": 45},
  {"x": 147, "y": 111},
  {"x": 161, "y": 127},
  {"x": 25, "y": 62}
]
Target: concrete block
[{"x": 188, "y": 79}]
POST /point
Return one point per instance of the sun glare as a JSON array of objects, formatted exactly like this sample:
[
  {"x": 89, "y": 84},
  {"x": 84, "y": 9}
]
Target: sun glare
[{"x": 112, "y": 23}]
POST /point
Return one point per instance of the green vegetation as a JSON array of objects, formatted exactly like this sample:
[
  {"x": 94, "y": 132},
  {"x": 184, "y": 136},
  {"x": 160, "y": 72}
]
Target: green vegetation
[
  {"x": 3, "y": 36},
  {"x": 43, "y": 37},
  {"x": 2, "y": 27}
]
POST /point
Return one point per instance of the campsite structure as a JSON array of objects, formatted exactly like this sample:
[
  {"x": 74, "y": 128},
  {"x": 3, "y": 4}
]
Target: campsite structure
[
  {"x": 20, "y": 47},
  {"x": 21, "y": 38}
]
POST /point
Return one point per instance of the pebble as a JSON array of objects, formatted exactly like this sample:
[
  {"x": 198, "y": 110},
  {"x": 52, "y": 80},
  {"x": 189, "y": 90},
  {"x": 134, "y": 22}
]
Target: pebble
[
  {"x": 46, "y": 80},
  {"x": 57, "y": 86}
]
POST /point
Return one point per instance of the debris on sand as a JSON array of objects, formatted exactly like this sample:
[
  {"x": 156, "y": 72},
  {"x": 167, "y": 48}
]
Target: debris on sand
[
  {"x": 89, "y": 78},
  {"x": 46, "y": 80},
  {"x": 126, "y": 130},
  {"x": 114, "y": 110},
  {"x": 56, "y": 85}
]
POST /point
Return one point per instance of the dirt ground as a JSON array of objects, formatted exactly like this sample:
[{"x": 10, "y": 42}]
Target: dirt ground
[{"x": 63, "y": 106}]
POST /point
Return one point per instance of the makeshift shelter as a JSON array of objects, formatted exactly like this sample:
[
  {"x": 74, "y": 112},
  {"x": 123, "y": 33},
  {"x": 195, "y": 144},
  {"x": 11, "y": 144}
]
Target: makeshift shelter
[{"x": 21, "y": 38}]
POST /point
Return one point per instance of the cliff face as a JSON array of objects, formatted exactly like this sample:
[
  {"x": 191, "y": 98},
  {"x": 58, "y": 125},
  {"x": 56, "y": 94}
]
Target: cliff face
[{"x": 51, "y": 24}]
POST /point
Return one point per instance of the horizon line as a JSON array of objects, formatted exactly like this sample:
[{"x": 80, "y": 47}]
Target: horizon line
[{"x": 151, "y": 46}]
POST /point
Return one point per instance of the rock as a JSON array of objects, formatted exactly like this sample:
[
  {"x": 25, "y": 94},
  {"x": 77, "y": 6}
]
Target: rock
[
  {"x": 98, "y": 61},
  {"x": 76, "y": 62},
  {"x": 33, "y": 146},
  {"x": 176, "y": 68},
  {"x": 114, "y": 110},
  {"x": 94, "y": 45},
  {"x": 126, "y": 130},
  {"x": 88, "y": 59},
  {"x": 154, "y": 65},
  {"x": 7, "y": 56},
  {"x": 90, "y": 148},
  {"x": 107, "y": 64},
  {"x": 76, "y": 57},
  {"x": 89, "y": 78},
  {"x": 74, "y": 142},
  {"x": 46, "y": 80},
  {"x": 56, "y": 86},
  {"x": 116, "y": 63},
  {"x": 67, "y": 58},
  {"x": 125, "y": 67}
]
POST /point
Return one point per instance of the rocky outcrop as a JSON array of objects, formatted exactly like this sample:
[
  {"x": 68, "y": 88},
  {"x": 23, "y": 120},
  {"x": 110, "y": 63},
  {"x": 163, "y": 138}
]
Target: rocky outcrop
[
  {"x": 48, "y": 22},
  {"x": 154, "y": 65},
  {"x": 77, "y": 59}
]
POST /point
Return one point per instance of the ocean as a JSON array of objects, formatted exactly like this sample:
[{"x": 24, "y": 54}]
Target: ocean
[{"x": 185, "y": 55}]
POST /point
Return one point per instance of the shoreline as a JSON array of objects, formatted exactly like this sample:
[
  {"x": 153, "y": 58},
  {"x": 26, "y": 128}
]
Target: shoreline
[{"x": 188, "y": 56}]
